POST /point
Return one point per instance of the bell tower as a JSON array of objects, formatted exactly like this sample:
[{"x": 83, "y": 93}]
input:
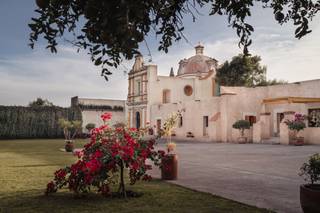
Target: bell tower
[{"x": 137, "y": 94}]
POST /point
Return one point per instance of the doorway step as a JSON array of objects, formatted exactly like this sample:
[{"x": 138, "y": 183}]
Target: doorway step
[{"x": 272, "y": 140}]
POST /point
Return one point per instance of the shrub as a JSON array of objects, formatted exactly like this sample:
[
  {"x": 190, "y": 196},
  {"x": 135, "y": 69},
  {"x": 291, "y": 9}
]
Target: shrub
[
  {"x": 311, "y": 170},
  {"x": 34, "y": 122},
  {"x": 109, "y": 152},
  {"x": 90, "y": 126},
  {"x": 241, "y": 125}
]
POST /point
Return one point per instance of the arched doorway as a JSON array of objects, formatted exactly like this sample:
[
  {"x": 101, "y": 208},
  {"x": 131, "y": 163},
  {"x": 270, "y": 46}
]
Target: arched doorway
[{"x": 138, "y": 120}]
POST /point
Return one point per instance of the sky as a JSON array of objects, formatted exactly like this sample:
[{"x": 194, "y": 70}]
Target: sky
[{"x": 26, "y": 74}]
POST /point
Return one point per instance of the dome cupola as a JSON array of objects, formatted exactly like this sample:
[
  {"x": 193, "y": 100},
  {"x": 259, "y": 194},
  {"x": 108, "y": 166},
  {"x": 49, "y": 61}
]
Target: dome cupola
[{"x": 197, "y": 65}]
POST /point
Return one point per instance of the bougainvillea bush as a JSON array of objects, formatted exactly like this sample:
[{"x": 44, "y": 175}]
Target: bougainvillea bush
[
  {"x": 297, "y": 124},
  {"x": 104, "y": 160}
]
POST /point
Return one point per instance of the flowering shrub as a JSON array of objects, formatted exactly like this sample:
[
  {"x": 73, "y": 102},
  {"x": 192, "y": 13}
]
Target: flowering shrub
[
  {"x": 297, "y": 124},
  {"x": 109, "y": 152}
]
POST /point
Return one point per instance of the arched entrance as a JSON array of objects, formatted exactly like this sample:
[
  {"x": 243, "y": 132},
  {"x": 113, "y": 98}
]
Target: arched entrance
[{"x": 138, "y": 120}]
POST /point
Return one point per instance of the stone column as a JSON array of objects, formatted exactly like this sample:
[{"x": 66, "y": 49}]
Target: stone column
[
  {"x": 256, "y": 132},
  {"x": 265, "y": 125},
  {"x": 284, "y": 131}
]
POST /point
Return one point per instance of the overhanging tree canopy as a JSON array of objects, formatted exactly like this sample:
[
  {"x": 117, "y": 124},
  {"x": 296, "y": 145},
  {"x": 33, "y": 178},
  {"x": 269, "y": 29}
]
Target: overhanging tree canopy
[{"x": 113, "y": 29}]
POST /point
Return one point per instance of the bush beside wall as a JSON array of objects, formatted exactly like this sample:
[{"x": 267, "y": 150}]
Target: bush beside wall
[{"x": 34, "y": 122}]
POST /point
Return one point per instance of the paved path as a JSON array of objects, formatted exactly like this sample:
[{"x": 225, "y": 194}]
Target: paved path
[{"x": 261, "y": 175}]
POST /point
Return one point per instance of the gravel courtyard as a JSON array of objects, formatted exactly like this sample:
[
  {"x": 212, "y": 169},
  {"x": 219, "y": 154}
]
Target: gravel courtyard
[{"x": 257, "y": 174}]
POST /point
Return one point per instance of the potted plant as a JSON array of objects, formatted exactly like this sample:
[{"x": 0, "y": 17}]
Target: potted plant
[
  {"x": 296, "y": 125},
  {"x": 310, "y": 192},
  {"x": 169, "y": 162},
  {"x": 241, "y": 125},
  {"x": 70, "y": 130}
]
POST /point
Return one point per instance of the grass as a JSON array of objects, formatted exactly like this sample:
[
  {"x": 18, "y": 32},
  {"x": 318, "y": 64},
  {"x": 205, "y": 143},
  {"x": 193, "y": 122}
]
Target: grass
[{"x": 27, "y": 165}]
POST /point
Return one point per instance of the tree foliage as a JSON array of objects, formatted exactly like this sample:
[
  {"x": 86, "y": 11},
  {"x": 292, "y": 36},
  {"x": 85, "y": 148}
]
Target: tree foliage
[
  {"x": 39, "y": 102},
  {"x": 111, "y": 30},
  {"x": 242, "y": 71},
  {"x": 70, "y": 128},
  {"x": 241, "y": 125}
]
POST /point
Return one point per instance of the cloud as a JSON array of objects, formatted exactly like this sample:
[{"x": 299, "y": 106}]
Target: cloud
[
  {"x": 57, "y": 78},
  {"x": 286, "y": 57}
]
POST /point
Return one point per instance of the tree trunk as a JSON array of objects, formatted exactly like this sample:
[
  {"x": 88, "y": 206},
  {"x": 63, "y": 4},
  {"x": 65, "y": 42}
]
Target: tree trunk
[{"x": 122, "y": 189}]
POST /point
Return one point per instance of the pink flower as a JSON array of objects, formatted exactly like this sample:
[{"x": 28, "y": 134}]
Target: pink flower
[
  {"x": 103, "y": 127},
  {"x": 60, "y": 174},
  {"x": 51, "y": 187},
  {"x": 98, "y": 154},
  {"x": 106, "y": 116},
  {"x": 93, "y": 165}
]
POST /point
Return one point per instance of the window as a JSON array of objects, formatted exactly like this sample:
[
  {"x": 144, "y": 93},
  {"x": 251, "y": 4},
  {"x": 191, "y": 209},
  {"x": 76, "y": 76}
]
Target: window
[
  {"x": 137, "y": 87},
  {"x": 206, "y": 121},
  {"x": 180, "y": 121},
  {"x": 166, "y": 96},
  {"x": 252, "y": 119},
  {"x": 188, "y": 90},
  {"x": 314, "y": 117}
]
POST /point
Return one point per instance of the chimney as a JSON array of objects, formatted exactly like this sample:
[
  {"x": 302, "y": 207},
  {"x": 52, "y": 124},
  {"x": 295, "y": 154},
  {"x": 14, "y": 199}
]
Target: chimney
[{"x": 199, "y": 49}]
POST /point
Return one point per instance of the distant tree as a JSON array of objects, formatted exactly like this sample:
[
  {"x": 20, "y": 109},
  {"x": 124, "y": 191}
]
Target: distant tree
[
  {"x": 242, "y": 71},
  {"x": 39, "y": 102},
  {"x": 112, "y": 30}
]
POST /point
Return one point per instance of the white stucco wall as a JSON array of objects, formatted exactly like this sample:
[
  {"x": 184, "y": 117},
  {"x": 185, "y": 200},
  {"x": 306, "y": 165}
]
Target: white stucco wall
[
  {"x": 192, "y": 115},
  {"x": 235, "y": 103},
  {"x": 93, "y": 116}
]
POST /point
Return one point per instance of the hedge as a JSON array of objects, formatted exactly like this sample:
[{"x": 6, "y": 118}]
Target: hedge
[
  {"x": 34, "y": 122},
  {"x": 100, "y": 107}
]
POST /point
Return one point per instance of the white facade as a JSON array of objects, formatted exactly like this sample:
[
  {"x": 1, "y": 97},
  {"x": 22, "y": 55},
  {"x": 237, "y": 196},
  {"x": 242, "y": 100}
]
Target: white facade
[
  {"x": 92, "y": 109},
  {"x": 208, "y": 111}
]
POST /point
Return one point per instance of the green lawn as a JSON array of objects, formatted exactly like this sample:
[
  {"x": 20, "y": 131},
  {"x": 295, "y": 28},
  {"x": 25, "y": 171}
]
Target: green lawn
[{"x": 27, "y": 165}]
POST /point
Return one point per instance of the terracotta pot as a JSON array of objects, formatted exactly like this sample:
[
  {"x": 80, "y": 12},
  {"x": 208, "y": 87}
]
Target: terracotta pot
[
  {"x": 242, "y": 140},
  {"x": 310, "y": 198},
  {"x": 299, "y": 141},
  {"x": 69, "y": 146},
  {"x": 169, "y": 167}
]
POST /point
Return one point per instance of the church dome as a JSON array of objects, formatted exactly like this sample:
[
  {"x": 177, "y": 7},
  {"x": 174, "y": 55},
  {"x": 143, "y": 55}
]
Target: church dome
[{"x": 198, "y": 64}]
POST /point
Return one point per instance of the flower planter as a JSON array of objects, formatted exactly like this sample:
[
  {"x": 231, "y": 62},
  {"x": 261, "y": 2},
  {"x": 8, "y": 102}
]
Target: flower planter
[
  {"x": 242, "y": 140},
  {"x": 69, "y": 146},
  {"x": 169, "y": 167},
  {"x": 297, "y": 141},
  {"x": 310, "y": 198}
]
